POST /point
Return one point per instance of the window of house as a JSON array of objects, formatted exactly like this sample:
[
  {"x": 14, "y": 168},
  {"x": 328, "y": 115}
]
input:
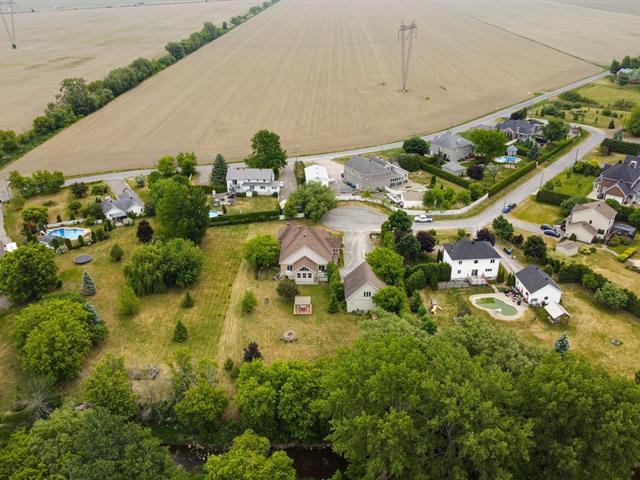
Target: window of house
[
  {"x": 488, "y": 269},
  {"x": 366, "y": 294},
  {"x": 289, "y": 268},
  {"x": 493, "y": 260},
  {"x": 459, "y": 271},
  {"x": 460, "y": 262},
  {"x": 322, "y": 268},
  {"x": 546, "y": 298},
  {"x": 475, "y": 261}
]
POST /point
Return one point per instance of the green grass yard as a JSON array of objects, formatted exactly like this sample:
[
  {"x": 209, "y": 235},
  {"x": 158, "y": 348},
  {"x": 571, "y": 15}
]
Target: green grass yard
[
  {"x": 536, "y": 212},
  {"x": 606, "y": 92},
  {"x": 252, "y": 204}
]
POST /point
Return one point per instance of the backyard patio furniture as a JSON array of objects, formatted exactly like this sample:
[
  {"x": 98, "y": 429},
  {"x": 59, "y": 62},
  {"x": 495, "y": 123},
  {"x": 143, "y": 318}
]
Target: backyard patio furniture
[{"x": 302, "y": 306}]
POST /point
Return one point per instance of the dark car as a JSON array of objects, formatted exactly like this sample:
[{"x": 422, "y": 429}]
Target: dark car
[
  {"x": 508, "y": 251},
  {"x": 551, "y": 233},
  {"x": 545, "y": 226}
]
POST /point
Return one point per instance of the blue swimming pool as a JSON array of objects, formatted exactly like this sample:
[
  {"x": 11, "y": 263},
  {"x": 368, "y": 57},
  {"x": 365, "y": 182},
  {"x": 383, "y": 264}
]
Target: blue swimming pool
[
  {"x": 507, "y": 159},
  {"x": 70, "y": 233}
]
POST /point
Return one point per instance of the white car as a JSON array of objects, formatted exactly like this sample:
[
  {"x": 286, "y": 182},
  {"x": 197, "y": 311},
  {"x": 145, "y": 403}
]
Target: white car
[{"x": 422, "y": 219}]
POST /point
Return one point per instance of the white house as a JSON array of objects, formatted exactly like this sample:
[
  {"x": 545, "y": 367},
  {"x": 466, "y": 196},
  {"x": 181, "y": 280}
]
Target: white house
[
  {"x": 590, "y": 221},
  {"x": 252, "y": 181},
  {"x": 537, "y": 287},
  {"x": 316, "y": 173},
  {"x": 128, "y": 203},
  {"x": 360, "y": 285},
  {"x": 473, "y": 260}
]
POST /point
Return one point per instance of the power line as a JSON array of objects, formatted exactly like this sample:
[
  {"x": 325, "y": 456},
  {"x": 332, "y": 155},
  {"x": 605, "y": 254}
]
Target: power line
[
  {"x": 406, "y": 34},
  {"x": 9, "y": 26}
]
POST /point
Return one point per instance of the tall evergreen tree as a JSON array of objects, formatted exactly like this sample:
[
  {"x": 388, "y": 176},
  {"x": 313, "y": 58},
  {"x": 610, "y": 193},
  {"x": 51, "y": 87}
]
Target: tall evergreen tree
[
  {"x": 219, "y": 171},
  {"x": 252, "y": 352},
  {"x": 562, "y": 344},
  {"x": 180, "y": 332},
  {"x": 88, "y": 285},
  {"x": 333, "y": 303}
]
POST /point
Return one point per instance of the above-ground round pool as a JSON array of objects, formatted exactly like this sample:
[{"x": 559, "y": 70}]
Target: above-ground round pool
[
  {"x": 507, "y": 159},
  {"x": 66, "y": 232}
]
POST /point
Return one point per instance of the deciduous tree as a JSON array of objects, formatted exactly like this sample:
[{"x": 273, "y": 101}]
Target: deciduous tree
[
  {"x": 387, "y": 264},
  {"x": 313, "y": 198},
  {"x": 28, "y": 273},
  {"x": 416, "y": 145},
  {"x": 489, "y": 143},
  {"x": 108, "y": 386},
  {"x": 392, "y": 299},
  {"x": 200, "y": 409},
  {"x": 182, "y": 212},
  {"x": 534, "y": 247},
  {"x": 266, "y": 151},
  {"x": 187, "y": 163},
  {"x": 261, "y": 252},
  {"x": 555, "y": 130}
]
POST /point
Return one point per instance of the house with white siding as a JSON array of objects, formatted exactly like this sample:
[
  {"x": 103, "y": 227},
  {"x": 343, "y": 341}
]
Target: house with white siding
[
  {"x": 537, "y": 287},
  {"x": 251, "y": 181},
  {"x": 360, "y": 286},
  {"x": 474, "y": 260}
]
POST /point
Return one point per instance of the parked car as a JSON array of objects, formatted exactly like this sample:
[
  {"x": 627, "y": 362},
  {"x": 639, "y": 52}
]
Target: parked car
[
  {"x": 545, "y": 226},
  {"x": 508, "y": 251},
  {"x": 422, "y": 219},
  {"x": 508, "y": 208},
  {"x": 551, "y": 233}
]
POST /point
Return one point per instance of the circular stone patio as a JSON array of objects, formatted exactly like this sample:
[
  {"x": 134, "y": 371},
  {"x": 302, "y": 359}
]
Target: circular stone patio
[{"x": 520, "y": 309}]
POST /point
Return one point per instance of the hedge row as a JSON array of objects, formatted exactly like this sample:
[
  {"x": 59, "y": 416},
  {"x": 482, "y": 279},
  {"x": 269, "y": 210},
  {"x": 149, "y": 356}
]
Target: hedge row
[
  {"x": 496, "y": 187},
  {"x": 438, "y": 172},
  {"x": 245, "y": 218},
  {"x": 553, "y": 198},
  {"x": 618, "y": 146},
  {"x": 575, "y": 273}
]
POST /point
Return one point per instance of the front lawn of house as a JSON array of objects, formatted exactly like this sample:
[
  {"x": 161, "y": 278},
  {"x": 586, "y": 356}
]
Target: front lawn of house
[{"x": 536, "y": 212}]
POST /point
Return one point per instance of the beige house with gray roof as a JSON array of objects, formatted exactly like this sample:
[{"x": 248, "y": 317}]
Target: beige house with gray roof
[
  {"x": 590, "y": 221},
  {"x": 305, "y": 253},
  {"x": 360, "y": 285}
]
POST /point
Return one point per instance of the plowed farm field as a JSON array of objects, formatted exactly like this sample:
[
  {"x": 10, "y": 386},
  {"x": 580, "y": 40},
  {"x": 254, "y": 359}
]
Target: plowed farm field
[
  {"x": 54, "y": 45},
  {"x": 325, "y": 75}
]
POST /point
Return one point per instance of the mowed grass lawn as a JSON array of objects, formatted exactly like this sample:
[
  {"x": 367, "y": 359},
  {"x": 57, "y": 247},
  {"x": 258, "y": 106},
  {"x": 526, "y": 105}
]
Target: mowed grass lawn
[
  {"x": 602, "y": 159},
  {"x": 265, "y": 203},
  {"x": 606, "y": 92},
  {"x": 536, "y": 212},
  {"x": 573, "y": 184}
]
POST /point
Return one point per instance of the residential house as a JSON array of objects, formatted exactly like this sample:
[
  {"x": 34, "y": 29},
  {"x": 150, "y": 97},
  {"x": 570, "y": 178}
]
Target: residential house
[
  {"x": 128, "y": 203},
  {"x": 251, "y": 181},
  {"x": 455, "y": 147},
  {"x": 316, "y": 173},
  {"x": 620, "y": 182},
  {"x": 590, "y": 221},
  {"x": 567, "y": 247},
  {"x": 360, "y": 285},
  {"x": 473, "y": 260},
  {"x": 373, "y": 174},
  {"x": 537, "y": 287},
  {"x": 521, "y": 130},
  {"x": 454, "y": 168},
  {"x": 512, "y": 150},
  {"x": 305, "y": 253}
]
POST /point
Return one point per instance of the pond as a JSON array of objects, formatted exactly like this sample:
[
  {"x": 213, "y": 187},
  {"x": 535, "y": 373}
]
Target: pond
[{"x": 309, "y": 463}]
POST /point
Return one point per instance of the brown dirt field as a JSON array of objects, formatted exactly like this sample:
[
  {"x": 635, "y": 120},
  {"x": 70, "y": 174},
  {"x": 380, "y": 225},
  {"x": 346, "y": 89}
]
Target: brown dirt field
[
  {"x": 54, "y": 45},
  {"x": 609, "y": 29},
  {"x": 324, "y": 74}
]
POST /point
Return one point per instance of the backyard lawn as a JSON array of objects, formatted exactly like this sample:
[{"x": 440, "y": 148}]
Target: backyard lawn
[
  {"x": 573, "y": 184},
  {"x": 264, "y": 203},
  {"x": 602, "y": 159},
  {"x": 606, "y": 92},
  {"x": 536, "y": 212},
  {"x": 424, "y": 178}
]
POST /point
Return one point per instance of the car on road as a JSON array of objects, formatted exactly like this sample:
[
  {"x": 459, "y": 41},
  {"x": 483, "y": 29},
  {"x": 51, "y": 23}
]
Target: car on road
[
  {"x": 508, "y": 208},
  {"x": 508, "y": 251},
  {"x": 551, "y": 232},
  {"x": 422, "y": 219},
  {"x": 545, "y": 226}
]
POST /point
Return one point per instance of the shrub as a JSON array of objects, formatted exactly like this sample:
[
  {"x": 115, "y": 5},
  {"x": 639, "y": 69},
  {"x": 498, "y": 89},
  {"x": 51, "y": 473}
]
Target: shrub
[
  {"x": 287, "y": 289},
  {"x": 187, "y": 301},
  {"x": 228, "y": 364},
  {"x": 611, "y": 296},
  {"x": 116, "y": 253},
  {"x": 410, "y": 162},
  {"x": 249, "y": 302},
  {"x": 416, "y": 145},
  {"x": 128, "y": 302}
]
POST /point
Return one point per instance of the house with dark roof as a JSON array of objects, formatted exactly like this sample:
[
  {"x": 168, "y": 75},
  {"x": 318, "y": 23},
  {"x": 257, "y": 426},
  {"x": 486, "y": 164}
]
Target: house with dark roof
[
  {"x": 305, "y": 253},
  {"x": 251, "y": 181},
  {"x": 537, "y": 287},
  {"x": 476, "y": 261},
  {"x": 373, "y": 174},
  {"x": 360, "y": 285},
  {"x": 455, "y": 147},
  {"x": 590, "y": 221},
  {"x": 620, "y": 182},
  {"x": 127, "y": 203},
  {"x": 521, "y": 130}
]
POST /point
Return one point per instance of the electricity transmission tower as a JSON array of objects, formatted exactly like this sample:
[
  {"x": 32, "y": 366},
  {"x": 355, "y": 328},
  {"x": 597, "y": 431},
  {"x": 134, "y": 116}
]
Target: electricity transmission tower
[
  {"x": 9, "y": 24},
  {"x": 406, "y": 34}
]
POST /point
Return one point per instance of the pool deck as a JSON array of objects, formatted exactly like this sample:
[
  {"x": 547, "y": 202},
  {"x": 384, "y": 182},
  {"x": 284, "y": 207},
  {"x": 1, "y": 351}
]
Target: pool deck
[{"x": 500, "y": 296}]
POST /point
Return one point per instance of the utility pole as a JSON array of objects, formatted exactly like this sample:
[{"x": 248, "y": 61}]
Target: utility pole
[
  {"x": 406, "y": 34},
  {"x": 10, "y": 26}
]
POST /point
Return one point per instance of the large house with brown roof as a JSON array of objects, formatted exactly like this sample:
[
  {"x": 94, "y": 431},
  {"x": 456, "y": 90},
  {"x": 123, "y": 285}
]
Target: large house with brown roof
[
  {"x": 305, "y": 253},
  {"x": 360, "y": 285},
  {"x": 620, "y": 182},
  {"x": 590, "y": 221}
]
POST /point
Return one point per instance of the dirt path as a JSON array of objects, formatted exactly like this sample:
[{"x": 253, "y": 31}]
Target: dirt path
[{"x": 228, "y": 345}]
